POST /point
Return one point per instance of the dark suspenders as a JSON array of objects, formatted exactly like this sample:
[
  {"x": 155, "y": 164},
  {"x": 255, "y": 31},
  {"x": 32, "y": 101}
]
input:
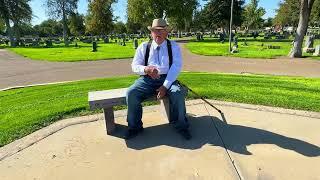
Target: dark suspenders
[{"x": 146, "y": 56}]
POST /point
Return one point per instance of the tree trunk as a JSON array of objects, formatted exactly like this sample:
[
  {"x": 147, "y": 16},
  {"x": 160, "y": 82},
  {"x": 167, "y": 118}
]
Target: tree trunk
[
  {"x": 16, "y": 31},
  {"x": 64, "y": 19},
  {"x": 9, "y": 32},
  {"x": 305, "y": 10},
  {"x": 186, "y": 25},
  {"x": 179, "y": 34}
]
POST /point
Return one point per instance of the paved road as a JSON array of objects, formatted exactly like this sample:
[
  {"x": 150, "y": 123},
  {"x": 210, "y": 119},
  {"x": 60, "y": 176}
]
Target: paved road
[{"x": 18, "y": 71}]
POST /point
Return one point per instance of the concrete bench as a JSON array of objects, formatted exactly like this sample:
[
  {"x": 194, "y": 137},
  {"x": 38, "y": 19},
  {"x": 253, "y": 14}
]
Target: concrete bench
[{"x": 107, "y": 99}]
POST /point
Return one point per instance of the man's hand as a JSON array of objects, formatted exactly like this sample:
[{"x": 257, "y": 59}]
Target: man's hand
[
  {"x": 152, "y": 71},
  {"x": 162, "y": 91}
]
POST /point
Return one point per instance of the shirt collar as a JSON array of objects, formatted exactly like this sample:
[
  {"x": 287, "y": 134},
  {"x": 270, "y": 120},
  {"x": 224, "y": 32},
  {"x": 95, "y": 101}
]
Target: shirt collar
[{"x": 155, "y": 45}]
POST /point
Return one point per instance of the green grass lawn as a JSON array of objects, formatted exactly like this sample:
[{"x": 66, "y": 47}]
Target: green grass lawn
[
  {"x": 255, "y": 49},
  {"x": 25, "y": 110},
  {"x": 82, "y": 53},
  {"x": 209, "y": 47}
]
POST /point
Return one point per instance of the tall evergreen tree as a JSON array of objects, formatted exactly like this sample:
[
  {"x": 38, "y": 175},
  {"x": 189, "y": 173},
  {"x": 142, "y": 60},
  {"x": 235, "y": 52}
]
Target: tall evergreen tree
[
  {"x": 99, "y": 20},
  {"x": 76, "y": 24},
  {"x": 199, "y": 22}
]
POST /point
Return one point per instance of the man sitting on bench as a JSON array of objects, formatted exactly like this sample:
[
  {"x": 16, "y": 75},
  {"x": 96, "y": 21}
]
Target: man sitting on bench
[{"x": 159, "y": 63}]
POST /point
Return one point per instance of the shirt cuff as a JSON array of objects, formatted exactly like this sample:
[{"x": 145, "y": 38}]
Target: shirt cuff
[
  {"x": 167, "y": 84},
  {"x": 141, "y": 70}
]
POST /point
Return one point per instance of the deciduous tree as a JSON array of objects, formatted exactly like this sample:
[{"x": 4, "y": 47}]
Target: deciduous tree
[
  {"x": 253, "y": 15},
  {"x": 61, "y": 9},
  {"x": 305, "y": 10},
  {"x": 15, "y": 11}
]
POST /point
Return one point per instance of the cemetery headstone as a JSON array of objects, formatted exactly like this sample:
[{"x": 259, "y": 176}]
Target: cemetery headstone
[
  {"x": 317, "y": 51},
  {"x": 13, "y": 43},
  {"x": 48, "y": 43},
  {"x": 245, "y": 42},
  {"x": 309, "y": 42},
  {"x": 273, "y": 47},
  {"x": 221, "y": 37},
  {"x": 309, "y": 45},
  {"x": 198, "y": 37},
  {"x": 267, "y": 36},
  {"x": 234, "y": 49},
  {"x": 94, "y": 46},
  {"x": 235, "y": 41},
  {"x": 135, "y": 43},
  {"x": 35, "y": 43},
  {"x": 286, "y": 35},
  {"x": 255, "y": 34},
  {"x": 21, "y": 43},
  {"x": 106, "y": 40},
  {"x": 232, "y": 35},
  {"x": 28, "y": 42}
]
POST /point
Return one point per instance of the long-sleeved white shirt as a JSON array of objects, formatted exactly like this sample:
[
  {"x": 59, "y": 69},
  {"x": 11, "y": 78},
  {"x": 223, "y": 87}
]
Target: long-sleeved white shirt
[{"x": 163, "y": 63}]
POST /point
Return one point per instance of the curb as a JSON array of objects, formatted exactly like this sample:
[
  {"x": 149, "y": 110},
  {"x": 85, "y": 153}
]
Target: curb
[{"x": 32, "y": 85}]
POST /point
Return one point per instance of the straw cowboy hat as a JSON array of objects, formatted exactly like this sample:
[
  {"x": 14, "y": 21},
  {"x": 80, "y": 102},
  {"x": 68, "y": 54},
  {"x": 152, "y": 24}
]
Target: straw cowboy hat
[{"x": 159, "y": 24}]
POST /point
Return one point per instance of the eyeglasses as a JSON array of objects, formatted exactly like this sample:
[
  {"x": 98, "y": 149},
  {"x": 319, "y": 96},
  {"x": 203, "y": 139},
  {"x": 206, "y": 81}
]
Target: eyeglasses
[{"x": 159, "y": 31}]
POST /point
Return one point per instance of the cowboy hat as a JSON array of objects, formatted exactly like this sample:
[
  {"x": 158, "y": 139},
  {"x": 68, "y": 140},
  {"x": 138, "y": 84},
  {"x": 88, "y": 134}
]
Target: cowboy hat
[{"x": 159, "y": 24}]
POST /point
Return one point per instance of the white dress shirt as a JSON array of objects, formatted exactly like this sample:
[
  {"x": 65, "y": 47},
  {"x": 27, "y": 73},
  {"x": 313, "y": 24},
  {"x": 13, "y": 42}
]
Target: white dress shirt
[{"x": 162, "y": 64}]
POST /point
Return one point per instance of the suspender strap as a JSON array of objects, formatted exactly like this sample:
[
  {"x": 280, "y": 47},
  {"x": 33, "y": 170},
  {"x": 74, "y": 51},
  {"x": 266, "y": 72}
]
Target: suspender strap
[
  {"x": 146, "y": 56},
  {"x": 169, "y": 52}
]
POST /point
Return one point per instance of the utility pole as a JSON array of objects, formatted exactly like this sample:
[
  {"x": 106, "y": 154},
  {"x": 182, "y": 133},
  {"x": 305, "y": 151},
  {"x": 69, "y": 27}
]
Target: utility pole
[{"x": 230, "y": 30}]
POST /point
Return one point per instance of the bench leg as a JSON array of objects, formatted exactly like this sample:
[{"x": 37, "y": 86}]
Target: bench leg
[
  {"x": 109, "y": 118},
  {"x": 164, "y": 103}
]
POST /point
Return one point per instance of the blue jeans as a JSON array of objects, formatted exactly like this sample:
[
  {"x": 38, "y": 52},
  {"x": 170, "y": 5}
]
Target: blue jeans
[{"x": 145, "y": 87}]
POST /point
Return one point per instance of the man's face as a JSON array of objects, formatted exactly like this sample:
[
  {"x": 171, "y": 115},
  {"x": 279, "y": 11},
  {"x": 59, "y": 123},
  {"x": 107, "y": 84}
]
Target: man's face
[{"x": 159, "y": 35}]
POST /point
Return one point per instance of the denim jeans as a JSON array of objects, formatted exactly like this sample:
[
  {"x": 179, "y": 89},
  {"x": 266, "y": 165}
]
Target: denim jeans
[{"x": 146, "y": 87}]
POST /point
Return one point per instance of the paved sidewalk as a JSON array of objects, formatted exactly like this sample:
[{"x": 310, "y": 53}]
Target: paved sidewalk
[
  {"x": 18, "y": 71},
  {"x": 257, "y": 143}
]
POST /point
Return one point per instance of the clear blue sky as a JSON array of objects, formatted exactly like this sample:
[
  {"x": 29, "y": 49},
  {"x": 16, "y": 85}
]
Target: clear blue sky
[{"x": 120, "y": 9}]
